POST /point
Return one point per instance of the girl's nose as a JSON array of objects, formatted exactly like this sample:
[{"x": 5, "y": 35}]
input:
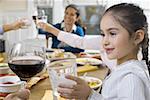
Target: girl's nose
[{"x": 105, "y": 41}]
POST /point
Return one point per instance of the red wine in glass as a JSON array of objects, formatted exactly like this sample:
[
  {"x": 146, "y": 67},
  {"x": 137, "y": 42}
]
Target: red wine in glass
[{"x": 26, "y": 60}]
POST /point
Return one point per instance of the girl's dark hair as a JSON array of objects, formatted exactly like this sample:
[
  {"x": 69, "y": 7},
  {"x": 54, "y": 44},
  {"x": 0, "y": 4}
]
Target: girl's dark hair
[
  {"x": 79, "y": 22},
  {"x": 132, "y": 18}
]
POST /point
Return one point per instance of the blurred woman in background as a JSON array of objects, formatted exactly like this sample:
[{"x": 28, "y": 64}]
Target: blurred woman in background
[{"x": 71, "y": 24}]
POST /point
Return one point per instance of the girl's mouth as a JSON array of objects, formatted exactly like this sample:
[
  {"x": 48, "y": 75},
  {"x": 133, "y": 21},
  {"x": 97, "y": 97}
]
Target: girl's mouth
[{"x": 109, "y": 50}]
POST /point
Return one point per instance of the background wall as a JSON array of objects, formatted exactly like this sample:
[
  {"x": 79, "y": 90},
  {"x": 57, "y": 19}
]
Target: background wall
[{"x": 12, "y": 10}]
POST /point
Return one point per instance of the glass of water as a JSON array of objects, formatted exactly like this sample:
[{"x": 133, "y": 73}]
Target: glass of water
[{"x": 57, "y": 70}]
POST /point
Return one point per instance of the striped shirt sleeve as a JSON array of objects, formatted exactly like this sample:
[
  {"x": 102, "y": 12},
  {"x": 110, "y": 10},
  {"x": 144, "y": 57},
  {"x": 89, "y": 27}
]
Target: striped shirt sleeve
[{"x": 1, "y": 30}]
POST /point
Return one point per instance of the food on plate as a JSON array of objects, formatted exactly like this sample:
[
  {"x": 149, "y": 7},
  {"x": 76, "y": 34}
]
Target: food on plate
[
  {"x": 90, "y": 54},
  {"x": 59, "y": 63},
  {"x": 58, "y": 54},
  {"x": 97, "y": 56},
  {"x": 86, "y": 68},
  {"x": 2, "y": 95},
  {"x": 3, "y": 65},
  {"x": 9, "y": 84},
  {"x": 88, "y": 61},
  {"x": 1, "y": 59},
  {"x": 55, "y": 53},
  {"x": 92, "y": 81},
  {"x": 4, "y": 69}
]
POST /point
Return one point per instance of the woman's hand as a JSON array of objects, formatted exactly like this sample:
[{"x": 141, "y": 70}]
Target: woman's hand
[
  {"x": 14, "y": 26},
  {"x": 17, "y": 24},
  {"x": 79, "y": 91}
]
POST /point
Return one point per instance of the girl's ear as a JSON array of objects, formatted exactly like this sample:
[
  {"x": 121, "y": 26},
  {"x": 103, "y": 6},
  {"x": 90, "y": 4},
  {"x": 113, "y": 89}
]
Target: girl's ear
[{"x": 139, "y": 36}]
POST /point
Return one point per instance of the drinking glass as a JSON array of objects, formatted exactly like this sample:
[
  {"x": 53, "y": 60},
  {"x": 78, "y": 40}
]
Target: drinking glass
[
  {"x": 57, "y": 70},
  {"x": 40, "y": 17},
  {"x": 26, "y": 60}
]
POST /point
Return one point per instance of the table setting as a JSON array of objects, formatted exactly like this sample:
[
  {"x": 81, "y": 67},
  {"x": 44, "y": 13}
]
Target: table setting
[{"x": 41, "y": 70}]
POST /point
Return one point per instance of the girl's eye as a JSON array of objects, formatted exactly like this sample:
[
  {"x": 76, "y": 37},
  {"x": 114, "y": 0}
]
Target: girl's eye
[
  {"x": 113, "y": 33},
  {"x": 102, "y": 34}
]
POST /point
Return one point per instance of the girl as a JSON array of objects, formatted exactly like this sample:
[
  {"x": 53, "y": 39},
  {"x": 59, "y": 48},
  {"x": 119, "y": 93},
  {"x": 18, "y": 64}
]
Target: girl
[{"x": 123, "y": 32}]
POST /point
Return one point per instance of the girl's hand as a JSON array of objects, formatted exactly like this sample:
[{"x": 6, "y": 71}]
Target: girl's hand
[
  {"x": 48, "y": 28},
  {"x": 43, "y": 26},
  {"x": 79, "y": 91}
]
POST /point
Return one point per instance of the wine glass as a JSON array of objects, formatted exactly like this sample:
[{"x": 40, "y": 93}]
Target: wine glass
[
  {"x": 26, "y": 60},
  {"x": 39, "y": 17}
]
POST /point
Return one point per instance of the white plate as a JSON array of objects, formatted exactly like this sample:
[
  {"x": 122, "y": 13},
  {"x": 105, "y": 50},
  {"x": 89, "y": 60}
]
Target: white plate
[
  {"x": 93, "y": 82},
  {"x": 3, "y": 64},
  {"x": 92, "y": 51},
  {"x": 90, "y": 61},
  {"x": 9, "y": 88}
]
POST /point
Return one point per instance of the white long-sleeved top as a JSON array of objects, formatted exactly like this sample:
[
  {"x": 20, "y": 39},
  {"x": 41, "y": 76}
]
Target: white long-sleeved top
[
  {"x": 86, "y": 43},
  {"x": 80, "y": 42},
  {"x": 129, "y": 81}
]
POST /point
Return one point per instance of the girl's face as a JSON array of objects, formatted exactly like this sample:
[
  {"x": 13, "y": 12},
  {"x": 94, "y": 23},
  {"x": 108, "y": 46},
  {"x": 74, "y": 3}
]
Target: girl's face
[
  {"x": 70, "y": 16},
  {"x": 116, "y": 40}
]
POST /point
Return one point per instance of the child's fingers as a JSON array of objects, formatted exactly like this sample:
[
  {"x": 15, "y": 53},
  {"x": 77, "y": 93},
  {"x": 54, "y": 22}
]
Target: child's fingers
[
  {"x": 73, "y": 95},
  {"x": 65, "y": 86},
  {"x": 64, "y": 90},
  {"x": 76, "y": 79},
  {"x": 66, "y": 96}
]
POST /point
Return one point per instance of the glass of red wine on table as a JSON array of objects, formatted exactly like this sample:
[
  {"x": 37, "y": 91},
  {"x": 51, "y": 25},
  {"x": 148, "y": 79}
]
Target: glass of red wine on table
[{"x": 26, "y": 60}]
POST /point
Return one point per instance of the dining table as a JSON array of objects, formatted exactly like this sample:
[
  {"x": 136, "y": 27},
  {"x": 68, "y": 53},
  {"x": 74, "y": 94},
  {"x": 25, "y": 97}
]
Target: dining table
[{"x": 38, "y": 90}]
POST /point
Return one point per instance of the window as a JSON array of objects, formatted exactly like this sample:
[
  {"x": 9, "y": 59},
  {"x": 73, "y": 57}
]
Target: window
[{"x": 91, "y": 16}]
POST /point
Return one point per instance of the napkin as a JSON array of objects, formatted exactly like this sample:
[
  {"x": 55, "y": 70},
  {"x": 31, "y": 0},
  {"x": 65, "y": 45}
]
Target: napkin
[
  {"x": 49, "y": 96},
  {"x": 86, "y": 68},
  {"x": 34, "y": 80}
]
